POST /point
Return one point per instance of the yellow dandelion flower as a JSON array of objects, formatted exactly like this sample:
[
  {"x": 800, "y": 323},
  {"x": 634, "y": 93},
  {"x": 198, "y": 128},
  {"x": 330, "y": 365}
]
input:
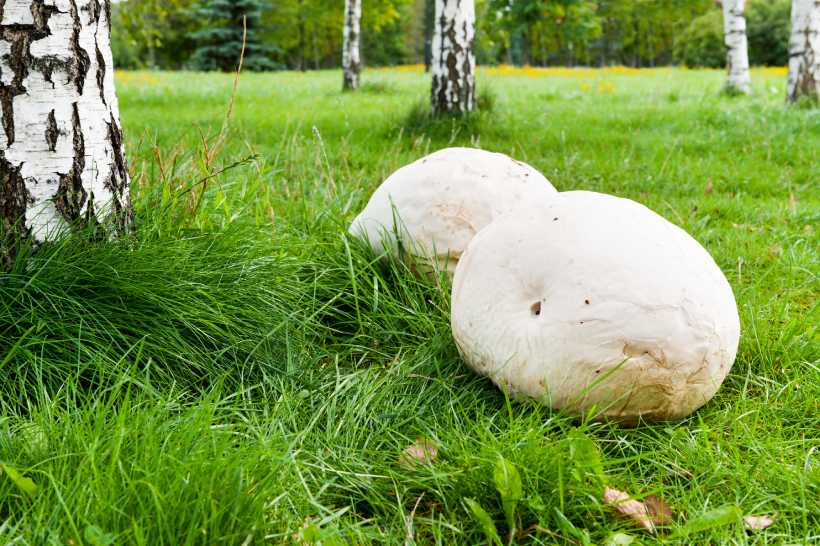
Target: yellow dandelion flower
[{"x": 606, "y": 87}]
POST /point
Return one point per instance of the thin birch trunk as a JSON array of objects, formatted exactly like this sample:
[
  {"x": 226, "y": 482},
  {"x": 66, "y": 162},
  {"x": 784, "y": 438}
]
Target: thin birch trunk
[
  {"x": 453, "y": 65},
  {"x": 737, "y": 51},
  {"x": 300, "y": 29},
  {"x": 429, "y": 13},
  {"x": 351, "y": 62},
  {"x": 62, "y": 162},
  {"x": 804, "y": 51}
]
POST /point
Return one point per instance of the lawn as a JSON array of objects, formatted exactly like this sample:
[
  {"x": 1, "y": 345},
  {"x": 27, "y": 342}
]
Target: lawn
[{"x": 239, "y": 371}]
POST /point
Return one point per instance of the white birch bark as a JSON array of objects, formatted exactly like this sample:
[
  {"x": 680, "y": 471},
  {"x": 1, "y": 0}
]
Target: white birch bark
[
  {"x": 737, "y": 50},
  {"x": 804, "y": 50},
  {"x": 453, "y": 62},
  {"x": 351, "y": 61},
  {"x": 62, "y": 162}
]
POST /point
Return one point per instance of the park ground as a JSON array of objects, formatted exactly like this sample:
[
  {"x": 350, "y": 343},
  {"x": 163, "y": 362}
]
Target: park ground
[{"x": 239, "y": 371}]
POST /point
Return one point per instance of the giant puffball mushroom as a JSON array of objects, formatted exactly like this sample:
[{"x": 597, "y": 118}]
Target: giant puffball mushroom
[
  {"x": 593, "y": 302},
  {"x": 432, "y": 208}
]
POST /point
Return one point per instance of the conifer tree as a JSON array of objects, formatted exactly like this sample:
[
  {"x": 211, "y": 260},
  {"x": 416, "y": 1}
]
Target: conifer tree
[{"x": 220, "y": 42}]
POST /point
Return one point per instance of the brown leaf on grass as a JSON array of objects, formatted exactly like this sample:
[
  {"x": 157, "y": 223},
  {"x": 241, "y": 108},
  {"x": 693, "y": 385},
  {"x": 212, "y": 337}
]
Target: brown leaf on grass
[
  {"x": 659, "y": 511},
  {"x": 629, "y": 508},
  {"x": 423, "y": 450},
  {"x": 709, "y": 187},
  {"x": 758, "y": 523},
  {"x": 792, "y": 203}
]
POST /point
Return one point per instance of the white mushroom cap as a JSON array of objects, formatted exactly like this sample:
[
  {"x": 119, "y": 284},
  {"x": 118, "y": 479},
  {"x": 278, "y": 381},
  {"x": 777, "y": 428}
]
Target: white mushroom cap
[
  {"x": 596, "y": 301},
  {"x": 438, "y": 203}
]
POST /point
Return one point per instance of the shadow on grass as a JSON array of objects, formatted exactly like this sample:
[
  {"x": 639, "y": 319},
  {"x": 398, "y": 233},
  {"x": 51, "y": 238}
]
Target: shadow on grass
[
  {"x": 421, "y": 121},
  {"x": 732, "y": 92},
  {"x": 379, "y": 88},
  {"x": 375, "y": 88},
  {"x": 806, "y": 102}
]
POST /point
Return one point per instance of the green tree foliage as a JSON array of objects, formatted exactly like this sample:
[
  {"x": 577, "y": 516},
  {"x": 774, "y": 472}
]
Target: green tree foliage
[
  {"x": 767, "y": 29},
  {"x": 768, "y": 26},
  {"x": 701, "y": 45},
  {"x": 307, "y": 34},
  {"x": 230, "y": 23},
  {"x": 586, "y": 32},
  {"x": 537, "y": 30},
  {"x": 643, "y": 32},
  {"x": 153, "y": 33}
]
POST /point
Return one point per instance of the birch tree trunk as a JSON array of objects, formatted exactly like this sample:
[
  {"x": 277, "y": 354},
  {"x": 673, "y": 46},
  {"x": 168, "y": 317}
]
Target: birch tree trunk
[
  {"x": 429, "y": 13},
  {"x": 351, "y": 62},
  {"x": 62, "y": 162},
  {"x": 737, "y": 50},
  {"x": 804, "y": 50},
  {"x": 453, "y": 63}
]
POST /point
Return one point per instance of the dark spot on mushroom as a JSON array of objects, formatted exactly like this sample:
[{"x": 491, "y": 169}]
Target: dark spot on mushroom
[
  {"x": 582, "y": 322},
  {"x": 586, "y": 301},
  {"x": 554, "y": 219},
  {"x": 597, "y": 371},
  {"x": 535, "y": 308}
]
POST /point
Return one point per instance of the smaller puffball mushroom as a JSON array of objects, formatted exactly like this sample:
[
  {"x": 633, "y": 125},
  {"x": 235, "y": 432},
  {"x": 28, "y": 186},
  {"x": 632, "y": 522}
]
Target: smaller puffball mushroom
[
  {"x": 434, "y": 206},
  {"x": 593, "y": 301}
]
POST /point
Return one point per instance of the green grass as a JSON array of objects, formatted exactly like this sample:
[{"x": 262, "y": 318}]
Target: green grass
[{"x": 238, "y": 369}]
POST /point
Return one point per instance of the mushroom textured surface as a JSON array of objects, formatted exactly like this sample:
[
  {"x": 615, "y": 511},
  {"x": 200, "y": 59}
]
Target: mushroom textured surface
[
  {"x": 596, "y": 302},
  {"x": 436, "y": 205}
]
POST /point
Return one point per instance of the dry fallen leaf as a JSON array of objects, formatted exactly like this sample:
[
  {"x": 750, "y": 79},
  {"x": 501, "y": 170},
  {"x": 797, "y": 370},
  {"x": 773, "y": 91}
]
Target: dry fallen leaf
[
  {"x": 758, "y": 523},
  {"x": 423, "y": 450},
  {"x": 659, "y": 511},
  {"x": 792, "y": 203},
  {"x": 629, "y": 508},
  {"x": 709, "y": 187}
]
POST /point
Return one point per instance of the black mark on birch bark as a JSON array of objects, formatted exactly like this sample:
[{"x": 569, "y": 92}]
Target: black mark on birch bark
[
  {"x": 117, "y": 183},
  {"x": 14, "y": 200},
  {"x": 806, "y": 83},
  {"x": 19, "y": 59},
  {"x": 7, "y": 106},
  {"x": 71, "y": 196},
  {"x": 101, "y": 74},
  {"x": 51, "y": 132},
  {"x": 80, "y": 56},
  {"x": 94, "y": 9},
  {"x": 41, "y": 14}
]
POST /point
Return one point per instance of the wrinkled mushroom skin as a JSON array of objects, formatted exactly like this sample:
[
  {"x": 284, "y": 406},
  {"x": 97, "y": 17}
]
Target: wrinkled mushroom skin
[
  {"x": 596, "y": 301},
  {"x": 437, "y": 204}
]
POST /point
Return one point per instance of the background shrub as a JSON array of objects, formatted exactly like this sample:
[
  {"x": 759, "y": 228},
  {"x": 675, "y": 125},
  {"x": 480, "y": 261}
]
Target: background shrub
[{"x": 767, "y": 28}]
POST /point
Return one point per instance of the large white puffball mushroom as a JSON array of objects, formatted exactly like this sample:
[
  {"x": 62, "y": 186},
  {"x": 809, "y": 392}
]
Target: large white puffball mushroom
[
  {"x": 434, "y": 206},
  {"x": 593, "y": 302}
]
